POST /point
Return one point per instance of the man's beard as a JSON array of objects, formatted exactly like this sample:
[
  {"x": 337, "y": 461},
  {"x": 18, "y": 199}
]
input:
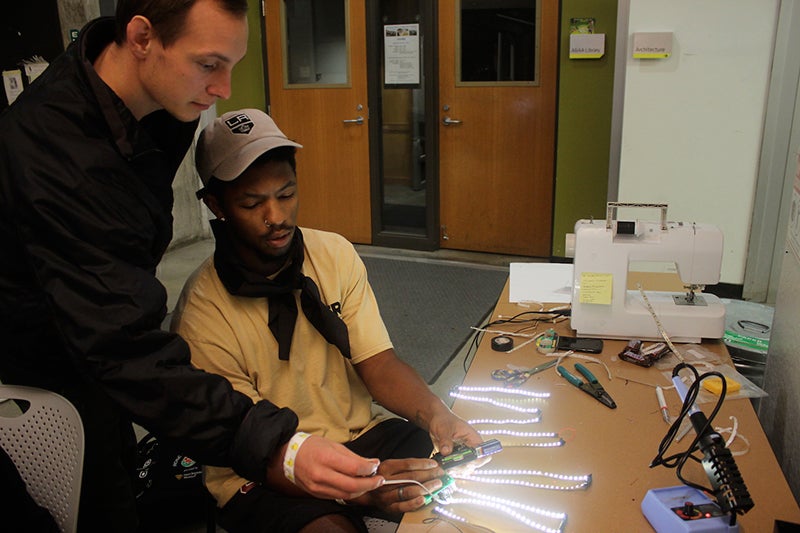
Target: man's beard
[{"x": 275, "y": 262}]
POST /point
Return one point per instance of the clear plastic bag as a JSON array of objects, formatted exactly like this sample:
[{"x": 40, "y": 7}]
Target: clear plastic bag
[
  {"x": 696, "y": 355},
  {"x": 747, "y": 389}
]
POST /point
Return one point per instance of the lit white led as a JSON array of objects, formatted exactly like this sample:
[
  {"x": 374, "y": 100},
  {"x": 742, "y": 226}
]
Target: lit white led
[
  {"x": 449, "y": 514},
  {"x": 525, "y": 507},
  {"x": 520, "y": 434},
  {"x": 510, "y": 508},
  {"x": 496, "y": 403},
  {"x": 572, "y": 482},
  {"x": 552, "y": 444},
  {"x": 556, "y": 443},
  {"x": 462, "y": 393},
  {"x": 502, "y": 390},
  {"x": 504, "y": 421}
]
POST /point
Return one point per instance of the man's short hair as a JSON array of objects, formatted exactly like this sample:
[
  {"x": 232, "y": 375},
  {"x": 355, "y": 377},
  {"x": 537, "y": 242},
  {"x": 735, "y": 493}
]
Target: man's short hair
[{"x": 166, "y": 16}]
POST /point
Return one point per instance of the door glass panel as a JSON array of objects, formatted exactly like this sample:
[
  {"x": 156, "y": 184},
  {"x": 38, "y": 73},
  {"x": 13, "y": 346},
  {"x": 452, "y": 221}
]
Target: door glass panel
[
  {"x": 497, "y": 41},
  {"x": 403, "y": 205},
  {"x": 316, "y": 42}
]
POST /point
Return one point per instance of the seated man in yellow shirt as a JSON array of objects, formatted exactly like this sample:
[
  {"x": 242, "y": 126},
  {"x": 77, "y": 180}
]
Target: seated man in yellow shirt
[{"x": 288, "y": 315}]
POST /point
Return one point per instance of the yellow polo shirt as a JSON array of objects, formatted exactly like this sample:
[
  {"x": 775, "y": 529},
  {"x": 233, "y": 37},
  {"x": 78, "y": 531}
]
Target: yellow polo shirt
[{"x": 229, "y": 335}]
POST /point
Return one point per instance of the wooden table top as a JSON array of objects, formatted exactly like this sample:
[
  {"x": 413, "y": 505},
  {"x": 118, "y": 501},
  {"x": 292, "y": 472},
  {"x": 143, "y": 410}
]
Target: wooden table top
[{"x": 615, "y": 446}]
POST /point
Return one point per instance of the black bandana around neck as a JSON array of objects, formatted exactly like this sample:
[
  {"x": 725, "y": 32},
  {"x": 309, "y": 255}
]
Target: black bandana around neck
[{"x": 280, "y": 293}]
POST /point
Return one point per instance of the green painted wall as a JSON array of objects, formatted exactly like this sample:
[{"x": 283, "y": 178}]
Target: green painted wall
[
  {"x": 248, "y": 75},
  {"x": 583, "y": 134}
]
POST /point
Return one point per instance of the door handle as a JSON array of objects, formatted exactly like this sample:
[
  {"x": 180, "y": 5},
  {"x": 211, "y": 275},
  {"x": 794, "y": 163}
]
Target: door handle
[
  {"x": 447, "y": 121},
  {"x": 359, "y": 120}
]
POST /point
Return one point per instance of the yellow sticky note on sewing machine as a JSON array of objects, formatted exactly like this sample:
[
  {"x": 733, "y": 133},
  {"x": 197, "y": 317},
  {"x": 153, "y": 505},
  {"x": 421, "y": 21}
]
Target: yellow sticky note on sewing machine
[
  {"x": 596, "y": 288},
  {"x": 714, "y": 384}
]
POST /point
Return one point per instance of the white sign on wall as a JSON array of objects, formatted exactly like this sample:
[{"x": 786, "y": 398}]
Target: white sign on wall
[
  {"x": 652, "y": 45},
  {"x": 587, "y": 45},
  {"x": 401, "y": 54}
]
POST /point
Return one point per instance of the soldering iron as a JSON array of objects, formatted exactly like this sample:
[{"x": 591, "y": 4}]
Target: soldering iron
[{"x": 718, "y": 462}]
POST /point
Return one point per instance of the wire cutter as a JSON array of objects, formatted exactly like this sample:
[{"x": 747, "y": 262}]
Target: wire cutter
[{"x": 592, "y": 387}]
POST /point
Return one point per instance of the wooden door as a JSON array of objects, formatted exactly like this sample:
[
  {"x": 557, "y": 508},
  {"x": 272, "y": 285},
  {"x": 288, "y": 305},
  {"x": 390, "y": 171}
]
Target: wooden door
[
  {"x": 318, "y": 97},
  {"x": 497, "y": 158}
]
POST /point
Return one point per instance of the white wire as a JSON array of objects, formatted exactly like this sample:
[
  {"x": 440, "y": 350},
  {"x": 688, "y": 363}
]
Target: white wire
[
  {"x": 589, "y": 358},
  {"x": 406, "y": 482},
  {"x": 734, "y": 434}
]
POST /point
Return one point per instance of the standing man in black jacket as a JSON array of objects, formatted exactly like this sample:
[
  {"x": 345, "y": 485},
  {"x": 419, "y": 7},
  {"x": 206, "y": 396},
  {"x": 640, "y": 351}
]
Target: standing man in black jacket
[{"x": 87, "y": 158}]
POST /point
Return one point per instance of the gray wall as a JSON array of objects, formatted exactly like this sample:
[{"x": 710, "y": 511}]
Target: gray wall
[
  {"x": 190, "y": 214},
  {"x": 780, "y": 411},
  {"x": 776, "y": 170},
  {"x": 73, "y": 14}
]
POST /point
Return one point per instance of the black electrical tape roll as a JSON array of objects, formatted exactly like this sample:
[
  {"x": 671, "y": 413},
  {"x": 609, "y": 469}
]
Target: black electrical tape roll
[{"x": 502, "y": 343}]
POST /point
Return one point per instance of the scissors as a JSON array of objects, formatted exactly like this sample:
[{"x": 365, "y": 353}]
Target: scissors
[
  {"x": 515, "y": 378},
  {"x": 592, "y": 387}
]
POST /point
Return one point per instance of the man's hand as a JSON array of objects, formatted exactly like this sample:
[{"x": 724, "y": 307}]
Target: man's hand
[
  {"x": 328, "y": 470},
  {"x": 407, "y": 395},
  {"x": 446, "y": 429},
  {"x": 402, "y": 498}
]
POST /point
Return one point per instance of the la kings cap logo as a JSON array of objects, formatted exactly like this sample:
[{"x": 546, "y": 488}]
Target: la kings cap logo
[{"x": 240, "y": 123}]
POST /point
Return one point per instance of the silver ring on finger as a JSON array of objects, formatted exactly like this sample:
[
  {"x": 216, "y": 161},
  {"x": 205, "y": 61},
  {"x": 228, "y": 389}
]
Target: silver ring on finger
[{"x": 400, "y": 494}]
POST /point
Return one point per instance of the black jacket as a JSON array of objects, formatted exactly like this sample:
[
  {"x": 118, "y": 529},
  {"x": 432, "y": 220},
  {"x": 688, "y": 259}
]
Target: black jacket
[{"x": 85, "y": 217}]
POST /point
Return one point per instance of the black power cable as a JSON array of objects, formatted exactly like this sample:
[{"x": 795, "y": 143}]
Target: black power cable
[
  {"x": 516, "y": 319},
  {"x": 727, "y": 484}
]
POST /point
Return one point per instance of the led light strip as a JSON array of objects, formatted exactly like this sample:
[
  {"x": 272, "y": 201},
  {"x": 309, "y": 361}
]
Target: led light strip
[
  {"x": 508, "y": 507},
  {"x": 658, "y": 323},
  {"x": 501, "y": 390},
  {"x": 520, "y": 434},
  {"x": 504, "y": 421},
  {"x": 477, "y": 476},
  {"x": 556, "y": 443},
  {"x": 523, "y": 396},
  {"x": 496, "y": 403},
  {"x": 536, "y": 510},
  {"x": 505, "y": 509}
]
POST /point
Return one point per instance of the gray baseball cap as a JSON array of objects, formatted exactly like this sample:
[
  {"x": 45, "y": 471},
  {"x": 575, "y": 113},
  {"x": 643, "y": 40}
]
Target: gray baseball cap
[{"x": 230, "y": 144}]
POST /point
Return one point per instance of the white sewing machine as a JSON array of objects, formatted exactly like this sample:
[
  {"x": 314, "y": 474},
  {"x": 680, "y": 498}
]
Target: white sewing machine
[{"x": 603, "y": 305}]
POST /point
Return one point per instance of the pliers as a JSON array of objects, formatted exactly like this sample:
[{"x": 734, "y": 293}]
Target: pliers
[{"x": 592, "y": 388}]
